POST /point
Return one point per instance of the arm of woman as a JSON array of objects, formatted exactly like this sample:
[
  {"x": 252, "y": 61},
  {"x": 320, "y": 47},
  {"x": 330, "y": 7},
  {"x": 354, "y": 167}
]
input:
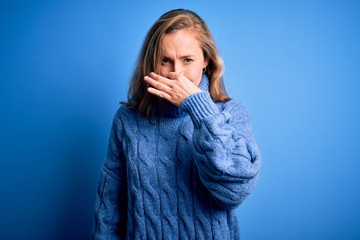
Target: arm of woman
[
  {"x": 111, "y": 199},
  {"x": 225, "y": 150}
]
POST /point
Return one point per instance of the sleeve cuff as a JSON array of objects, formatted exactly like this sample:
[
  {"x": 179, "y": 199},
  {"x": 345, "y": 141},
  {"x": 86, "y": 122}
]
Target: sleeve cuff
[{"x": 199, "y": 106}]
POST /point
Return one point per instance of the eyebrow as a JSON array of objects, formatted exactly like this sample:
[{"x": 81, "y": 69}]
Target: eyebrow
[
  {"x": 185, "y": 56},
  {"x": 188, "y": 56}
]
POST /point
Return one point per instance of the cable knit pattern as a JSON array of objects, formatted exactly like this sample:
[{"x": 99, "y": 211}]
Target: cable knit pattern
[{"x": 180, "y": 178}]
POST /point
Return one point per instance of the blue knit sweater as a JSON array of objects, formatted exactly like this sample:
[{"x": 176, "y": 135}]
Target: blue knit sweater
[{"x": 181, "y": 178}]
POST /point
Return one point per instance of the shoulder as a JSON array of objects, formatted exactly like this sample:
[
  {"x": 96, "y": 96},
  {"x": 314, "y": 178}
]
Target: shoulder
[
  {"x": 129, "y": 119},
  {"x": 232, "y": 107},
  {"x": 123, "y": 113},
  {"x": 123, "y": 116}
]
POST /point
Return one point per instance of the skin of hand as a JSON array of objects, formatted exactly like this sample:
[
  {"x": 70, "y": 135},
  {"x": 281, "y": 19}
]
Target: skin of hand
[
  {"x": 175, "y": 87},
  {"x": 181, "y": 67}
]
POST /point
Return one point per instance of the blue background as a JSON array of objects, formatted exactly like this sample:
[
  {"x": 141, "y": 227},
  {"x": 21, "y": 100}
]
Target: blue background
[{"x": 65, "y": 65}]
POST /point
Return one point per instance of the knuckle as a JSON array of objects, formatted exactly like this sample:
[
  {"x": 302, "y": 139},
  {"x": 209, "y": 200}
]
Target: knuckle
[{"x": 171, "y": 84}]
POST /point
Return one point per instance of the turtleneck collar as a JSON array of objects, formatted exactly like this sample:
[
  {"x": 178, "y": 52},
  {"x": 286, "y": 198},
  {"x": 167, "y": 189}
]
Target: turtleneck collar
[
  {"x": 204, "y": 83},
  {"x": 170, "y": 110}
]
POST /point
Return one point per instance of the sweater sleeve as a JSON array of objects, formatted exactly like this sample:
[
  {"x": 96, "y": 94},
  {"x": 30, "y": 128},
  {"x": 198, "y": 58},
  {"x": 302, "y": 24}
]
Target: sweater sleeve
[
  {"x": 225, "y": 151},
  {"x": 111, "y": 199}
]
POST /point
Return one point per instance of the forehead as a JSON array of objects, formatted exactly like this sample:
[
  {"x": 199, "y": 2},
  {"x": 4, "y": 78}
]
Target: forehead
[{"x": 181, "y": 42}]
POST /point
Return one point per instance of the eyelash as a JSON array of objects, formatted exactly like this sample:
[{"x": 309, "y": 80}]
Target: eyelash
[{"x": 166, "y": 60}]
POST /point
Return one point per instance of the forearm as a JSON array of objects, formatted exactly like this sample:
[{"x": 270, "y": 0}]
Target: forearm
[
  {"x": 110, "y": 213},
  {"x": 225, "y": 150},
  {"x": 111, "y": 199}
]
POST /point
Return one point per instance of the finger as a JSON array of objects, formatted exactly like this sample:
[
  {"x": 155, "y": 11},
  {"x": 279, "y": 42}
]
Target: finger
[
  {"x": 180, "y": 77},
  {"x": 175, "y": 75},
  {"x": 158, "y": 93},
  {"x": 160, "y": 78},
  {"x": 157, "y": 84}
]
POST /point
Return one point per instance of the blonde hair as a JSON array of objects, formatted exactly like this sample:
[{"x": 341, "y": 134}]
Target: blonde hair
[{"x": 150, "y": 57}]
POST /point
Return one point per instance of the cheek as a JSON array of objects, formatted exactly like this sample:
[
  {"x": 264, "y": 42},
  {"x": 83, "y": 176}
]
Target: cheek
[
  {"x": 194, "y": 75},
  {"x": 164, "y": 71}
]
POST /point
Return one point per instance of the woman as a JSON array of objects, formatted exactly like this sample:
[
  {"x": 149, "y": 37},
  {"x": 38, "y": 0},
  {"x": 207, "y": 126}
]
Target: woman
[{"x": 181, "y": 155}]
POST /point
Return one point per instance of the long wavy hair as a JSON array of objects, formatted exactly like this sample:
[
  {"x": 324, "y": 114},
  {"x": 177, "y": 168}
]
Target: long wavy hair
[{"x": 150, "y": 55}]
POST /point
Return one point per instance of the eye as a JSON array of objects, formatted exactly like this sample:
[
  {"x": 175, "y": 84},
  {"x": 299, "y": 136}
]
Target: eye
[
  {"x": 188, "y": 60},
  {"x": 165, "y": 61}
]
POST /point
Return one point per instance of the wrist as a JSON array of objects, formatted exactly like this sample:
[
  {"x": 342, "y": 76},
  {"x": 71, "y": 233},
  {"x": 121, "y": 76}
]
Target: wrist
[{"x": 199, "y": 106}]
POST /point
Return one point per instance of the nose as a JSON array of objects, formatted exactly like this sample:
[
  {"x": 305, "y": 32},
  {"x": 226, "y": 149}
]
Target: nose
[{"x": 177, "y": 67}]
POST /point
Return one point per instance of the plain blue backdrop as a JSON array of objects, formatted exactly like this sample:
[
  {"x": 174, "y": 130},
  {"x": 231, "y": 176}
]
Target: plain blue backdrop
[{"x": 65, "y": 65}]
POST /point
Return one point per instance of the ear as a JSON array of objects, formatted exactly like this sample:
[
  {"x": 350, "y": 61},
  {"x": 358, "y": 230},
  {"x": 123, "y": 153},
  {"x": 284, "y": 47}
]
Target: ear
[{"x": 206, "y": 62}]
